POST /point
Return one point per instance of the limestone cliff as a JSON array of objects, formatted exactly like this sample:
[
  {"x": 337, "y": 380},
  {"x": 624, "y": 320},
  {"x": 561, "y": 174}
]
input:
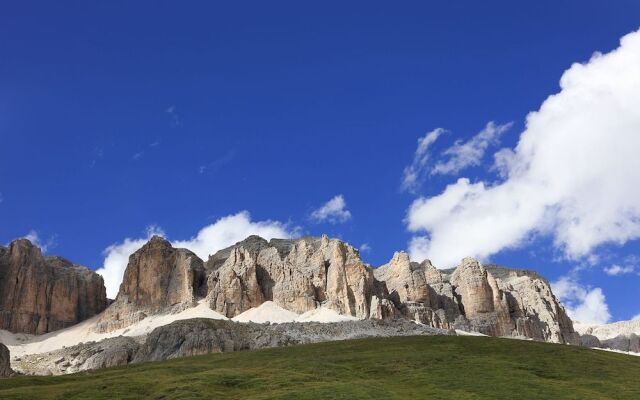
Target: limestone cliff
[
  {"x": 298, "y": 275},
  {"x": 304, "y": 274},
  {"x": 158, "y": 278},
  {"x": 41, "y": 294}
]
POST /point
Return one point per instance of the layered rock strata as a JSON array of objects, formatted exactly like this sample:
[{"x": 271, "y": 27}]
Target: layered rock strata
[
  {"x": 296, "y": 275},
  {"x": 304, "y": 274},
  {"x": 40, "y": 294},
  {"x": 159, "y": 278}
]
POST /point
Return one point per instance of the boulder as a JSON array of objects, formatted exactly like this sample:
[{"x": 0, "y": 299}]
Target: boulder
[{"x": 5, "y": 362}]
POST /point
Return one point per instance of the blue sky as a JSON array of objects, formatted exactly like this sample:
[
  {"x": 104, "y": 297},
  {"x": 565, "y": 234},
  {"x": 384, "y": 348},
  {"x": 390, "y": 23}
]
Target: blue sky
[{"x": 116, "y": 117}]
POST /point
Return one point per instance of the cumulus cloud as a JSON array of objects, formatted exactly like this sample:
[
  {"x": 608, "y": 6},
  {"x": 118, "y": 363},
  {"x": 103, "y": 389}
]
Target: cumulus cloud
[
  {"x": 414, "y": 173},
  {"x": 583, "y": 303},
  {"x": 571, "y": 176},
  {"x": 223, "y": 233},
  {"x": 616, "y": 269},
  {"x": 230, "y": 230},
  {"x": 334, "y": 211},
  {"x": 470, "y": 153}
]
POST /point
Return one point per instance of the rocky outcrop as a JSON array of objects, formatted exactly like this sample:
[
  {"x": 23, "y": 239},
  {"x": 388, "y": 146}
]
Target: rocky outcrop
[
  {"x": 304, "y": 274},
  {"x": 5, "y": 362},
  {"x": 203, "y": 336},
  {"x": 484, "y": 305},
  {"x": 41, "y": 294},
  {"x": 159, "y": 278},
  {"x": 418, "y": 291},
  {"x": 626, "y": 343},
  {"x": 494, "y": 301},
  {"x": 533, "y": 308},
  {"x": 298, "y": 275}
]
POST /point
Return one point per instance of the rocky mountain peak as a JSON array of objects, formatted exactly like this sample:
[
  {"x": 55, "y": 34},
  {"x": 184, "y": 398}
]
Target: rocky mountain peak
[
  {"x": 301, "y": 275},
  {"x": 158, "y": 278},
  {"x": 41, "y": 294}
]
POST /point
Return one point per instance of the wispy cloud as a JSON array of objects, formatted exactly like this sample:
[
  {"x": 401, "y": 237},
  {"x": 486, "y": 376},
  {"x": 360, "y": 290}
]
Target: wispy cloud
[
  {"x": 628, "y": 265},
  {"x": 414, "y": 173},
  {"x": 175, "y": 117},
  {"x": 365, "y": 248},
  {"x": 98, "y": 154},
  {"x": 470, "y": 153},
  {"x": 333, "y": 211},
  {"x": 218, "y": 163},
  {"x": 616, "y": 269},
  {"x": 138, "y": 155},
  {"x": 45, "y": 245}
]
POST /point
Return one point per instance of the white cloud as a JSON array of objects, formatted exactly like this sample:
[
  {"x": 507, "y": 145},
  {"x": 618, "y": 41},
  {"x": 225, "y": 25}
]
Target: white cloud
[
  {"x": 585, "y": 304},
  {"x": 230, "y": 230},
  {"x": 616, "y": 269},
  {"x": 636, "y": 317},
  {"x": 334, "y": 211},
  {"x": 470, "y": 153},
  {"x": 36, "y": 240},
  {"x": 414, "y": 173},
  {"x": 223, "y": 233},
  {"x": 572, "y": 174},
  {"x": 365, "y": 248}
]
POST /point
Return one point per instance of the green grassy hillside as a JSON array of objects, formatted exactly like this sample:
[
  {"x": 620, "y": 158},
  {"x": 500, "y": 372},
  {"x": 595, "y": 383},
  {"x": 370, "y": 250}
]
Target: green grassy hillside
[{"x": 436, "y": 367}]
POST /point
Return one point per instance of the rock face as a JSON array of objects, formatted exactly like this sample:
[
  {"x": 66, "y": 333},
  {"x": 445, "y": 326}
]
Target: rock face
[
  {"x": 623, "y": 343},
  {"x": 41, "y": 294},
  {"x": 296, "y": 275},
  {"x": 418, "y": 291},
  {"x": 5, "y": 362},
  {"x": 533, "y": 308},
  {"x": 158, "y": 278},
  {"x": 304, "y": 274},
  {"x": 494, "y": 301},
  {"x": 483, "y": 303}
]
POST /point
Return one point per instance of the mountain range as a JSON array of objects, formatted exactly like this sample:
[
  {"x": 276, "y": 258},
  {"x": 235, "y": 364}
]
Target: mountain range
[{"x": 55, "y": 317}]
